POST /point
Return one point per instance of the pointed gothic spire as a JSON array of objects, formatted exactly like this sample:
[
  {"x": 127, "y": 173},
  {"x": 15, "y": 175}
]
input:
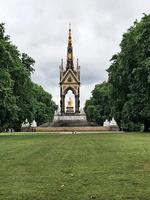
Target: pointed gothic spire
[{"x": 69, "y": 50}]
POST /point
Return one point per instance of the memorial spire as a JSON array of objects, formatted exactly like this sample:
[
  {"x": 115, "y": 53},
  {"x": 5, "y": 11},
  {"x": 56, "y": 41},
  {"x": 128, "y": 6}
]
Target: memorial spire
[
  {"x": 69, "y": 50},
  {"x": 69, "y": 80}
]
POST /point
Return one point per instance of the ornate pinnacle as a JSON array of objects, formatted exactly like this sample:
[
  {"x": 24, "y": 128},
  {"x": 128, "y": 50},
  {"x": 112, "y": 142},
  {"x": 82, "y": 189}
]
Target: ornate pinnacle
[{"x": 69, "y": 50}]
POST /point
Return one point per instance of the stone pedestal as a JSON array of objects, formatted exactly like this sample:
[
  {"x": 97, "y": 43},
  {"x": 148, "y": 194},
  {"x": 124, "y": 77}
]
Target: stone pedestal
[
  {"x": 69, "y": 110},
  {"x": 68, "y": 120}
]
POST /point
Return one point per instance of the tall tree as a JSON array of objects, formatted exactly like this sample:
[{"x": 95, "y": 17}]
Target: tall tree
[
  {"x": 44, "y": 106},
  {"x": 97, "y": 109},
  {"x": 129, "y": 76},
  {"x": 17, "y": 91},
  {"x": 8, "y": 107}
]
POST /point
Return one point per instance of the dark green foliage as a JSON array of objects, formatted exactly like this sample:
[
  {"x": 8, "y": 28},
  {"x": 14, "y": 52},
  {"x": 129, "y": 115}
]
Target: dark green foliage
[
  {"x": 8, "y": 106},
  {"x": 97, "y": 109},
  {"x": 129, "y": 76},
  {"x": 17, "y": 94},
  {"x": 43, "y": 105},
  {"x": 126, "y": 96}
]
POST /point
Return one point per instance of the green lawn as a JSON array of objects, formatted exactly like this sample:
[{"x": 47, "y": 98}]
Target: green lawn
[{"x": 104, "y": 166}]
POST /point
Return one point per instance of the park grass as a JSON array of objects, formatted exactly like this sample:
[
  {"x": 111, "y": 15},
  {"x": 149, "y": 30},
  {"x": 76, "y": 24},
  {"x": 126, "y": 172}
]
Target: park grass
[{"x": 104, "y": 166}]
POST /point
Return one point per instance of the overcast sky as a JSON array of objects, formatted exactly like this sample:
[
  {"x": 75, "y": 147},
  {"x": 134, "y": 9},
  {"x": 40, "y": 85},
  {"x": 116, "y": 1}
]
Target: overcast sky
[{"x": 40, "y": 29}]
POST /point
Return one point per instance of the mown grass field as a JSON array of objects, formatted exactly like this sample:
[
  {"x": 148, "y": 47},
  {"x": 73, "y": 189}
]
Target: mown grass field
[{"x": 104, "y": 166}]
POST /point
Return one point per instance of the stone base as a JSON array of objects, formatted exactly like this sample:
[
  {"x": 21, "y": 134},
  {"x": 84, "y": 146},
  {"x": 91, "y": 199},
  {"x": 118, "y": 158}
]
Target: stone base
[
  {"x": 69, "y": 120},
  {"x": 69, "y": 110}
]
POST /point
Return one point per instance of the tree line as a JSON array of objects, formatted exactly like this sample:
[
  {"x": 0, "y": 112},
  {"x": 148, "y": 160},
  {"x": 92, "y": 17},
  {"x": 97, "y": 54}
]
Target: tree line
[
  {"x": 126, "y": 94},
  {"x": 20, "y": 98}
]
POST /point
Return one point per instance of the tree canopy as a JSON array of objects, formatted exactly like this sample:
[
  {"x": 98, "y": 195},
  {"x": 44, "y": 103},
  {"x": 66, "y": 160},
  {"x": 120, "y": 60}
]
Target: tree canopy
[
  {"x": 97, "y": 108},
  {"x": 129, "y": 75},
  {"x": 18, "y": 98},
  {"x": 129, "y": 82},
  {"x": 44, "y": 106}
]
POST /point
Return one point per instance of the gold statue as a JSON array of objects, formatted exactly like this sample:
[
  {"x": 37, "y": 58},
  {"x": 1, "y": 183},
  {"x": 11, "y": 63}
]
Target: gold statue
[{"x": 70, "y": 104}]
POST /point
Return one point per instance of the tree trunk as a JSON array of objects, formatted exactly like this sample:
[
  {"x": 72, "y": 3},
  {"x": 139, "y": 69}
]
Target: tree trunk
[{"x": 146, "y": 125}]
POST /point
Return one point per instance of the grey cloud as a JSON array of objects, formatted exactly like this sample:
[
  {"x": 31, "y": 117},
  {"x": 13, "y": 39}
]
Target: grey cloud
[{"x": 40, "y": 28}]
